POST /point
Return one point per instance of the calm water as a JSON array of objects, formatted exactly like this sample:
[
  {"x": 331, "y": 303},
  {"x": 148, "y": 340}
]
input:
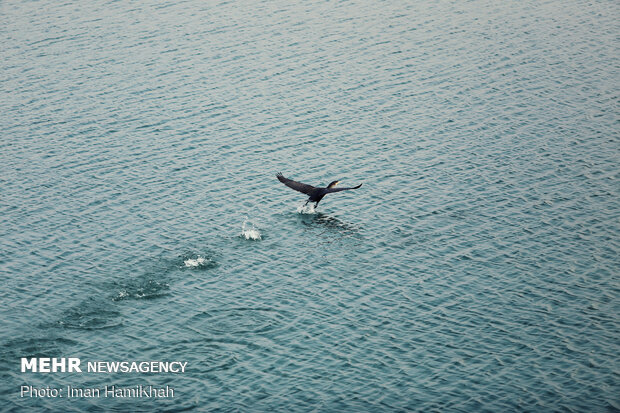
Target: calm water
[{"x": 476, "y": 268}]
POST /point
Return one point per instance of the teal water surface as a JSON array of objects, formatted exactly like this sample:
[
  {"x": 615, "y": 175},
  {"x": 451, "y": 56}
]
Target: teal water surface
[{"x": 140, "y": 217}]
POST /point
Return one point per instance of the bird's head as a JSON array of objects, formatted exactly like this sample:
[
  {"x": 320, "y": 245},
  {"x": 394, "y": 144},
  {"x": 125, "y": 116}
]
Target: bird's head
[{"x": 333, "y": 184}]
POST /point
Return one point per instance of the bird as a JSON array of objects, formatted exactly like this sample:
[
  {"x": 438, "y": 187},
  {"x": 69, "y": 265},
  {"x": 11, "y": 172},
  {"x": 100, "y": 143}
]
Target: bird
[{"x": 315, "y": 194}]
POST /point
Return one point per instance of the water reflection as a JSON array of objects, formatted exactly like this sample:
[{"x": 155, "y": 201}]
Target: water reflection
[{"x": 329, "y": 227}]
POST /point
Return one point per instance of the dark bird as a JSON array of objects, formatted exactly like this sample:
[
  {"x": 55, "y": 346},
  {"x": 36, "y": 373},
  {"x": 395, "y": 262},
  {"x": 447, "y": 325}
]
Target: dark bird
[{"x": 315, "y": 194}]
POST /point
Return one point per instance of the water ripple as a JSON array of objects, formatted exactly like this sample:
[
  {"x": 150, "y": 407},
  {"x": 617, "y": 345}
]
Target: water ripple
[{"x": 476, "y": 269}]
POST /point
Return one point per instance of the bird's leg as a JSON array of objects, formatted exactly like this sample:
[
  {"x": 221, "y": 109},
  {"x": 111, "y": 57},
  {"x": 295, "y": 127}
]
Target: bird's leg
[
  {"x": 316, "y": 205},
  {"x": 306, "y": 202}
]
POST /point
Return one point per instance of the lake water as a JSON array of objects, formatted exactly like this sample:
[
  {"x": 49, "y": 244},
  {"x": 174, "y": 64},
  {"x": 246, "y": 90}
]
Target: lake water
[{"x": 140, "y": 217}]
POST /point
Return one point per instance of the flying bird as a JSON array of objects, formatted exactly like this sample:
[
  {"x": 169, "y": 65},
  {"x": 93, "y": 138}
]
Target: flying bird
[{"x": 315, "y": 194}]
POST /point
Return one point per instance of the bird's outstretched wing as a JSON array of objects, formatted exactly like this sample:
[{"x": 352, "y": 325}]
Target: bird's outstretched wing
[
  {"x": 297, "y": 186},
  {"x": 330, "y": 190}
]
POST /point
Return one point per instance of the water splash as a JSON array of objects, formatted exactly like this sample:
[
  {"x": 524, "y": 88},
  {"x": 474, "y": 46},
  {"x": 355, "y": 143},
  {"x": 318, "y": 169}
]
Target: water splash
[
  {"x": 121, "y": 295},
  {"x": 250, "y": 232},
  {"x": 195, "y": 262},
  {"x": 306, "y": 209}
]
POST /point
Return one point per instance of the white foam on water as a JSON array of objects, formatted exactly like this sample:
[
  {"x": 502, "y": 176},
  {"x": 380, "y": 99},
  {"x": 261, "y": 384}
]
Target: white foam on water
[
  {"x": 306, "y": 209},
  {"x": 253, "y": 234},
  {"x": 195, "y": 262},
  {"x": 250, "y": 232},
  {"x": 122, "y": 294}
]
